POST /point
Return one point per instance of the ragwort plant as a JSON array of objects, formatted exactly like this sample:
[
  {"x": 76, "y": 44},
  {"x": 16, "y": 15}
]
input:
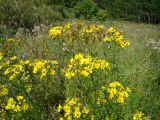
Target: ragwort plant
[
  {"x": 89, "y": 39},
  {"x": 75, "y": 84}
]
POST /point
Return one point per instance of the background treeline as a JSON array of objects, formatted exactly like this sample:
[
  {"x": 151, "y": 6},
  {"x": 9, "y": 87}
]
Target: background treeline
[{"x": 28, "y": 13}]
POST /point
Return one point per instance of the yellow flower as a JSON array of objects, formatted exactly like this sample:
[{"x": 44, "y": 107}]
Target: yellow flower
[
  {"x": 69, "y": 118},
  {"x": 118, "y": 92},
  {"x": 7, "y": 71},
  {"x": 24, "y": 62},
  {"x": 89, "y": 29},
  {"x": 55, "y": 31},
  {"x": 44, "y": 72},
  {"x": 68, "y": 26},
  {"x": 17, "y": 108},
  {"x": 84, "y": 73},
  {"x": 139, "y": 116},
  {"x": 69, "y": 74},
  {"x": 77, "y": 112},
  {"x": 84, "y": 65},
  {"x": 78, "y": 56},
  {"x": 67, "y": 110},
  {"x": 3, "y": 90},
  {"x": 59, "y": 108},
  {"x": 107, "y": 39},
  {"x": 111, "y": 30},
  {"x": 43, "y": 67},
  {"x": 25, "y": 106},
  {"x": 13, "y": 58},
  {"x": 11, "y": 104},
  {"x": 19, "y": 98},
  {"x": 53, "y": 72},
  {"x": 72, "y": 101},
  {"x": 85, "y": 110}
]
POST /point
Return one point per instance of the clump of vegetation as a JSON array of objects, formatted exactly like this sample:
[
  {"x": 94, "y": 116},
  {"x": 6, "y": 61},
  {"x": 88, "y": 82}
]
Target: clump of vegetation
[
  {"x": 27, "y": 14},
  {"x": 78, "y": 73},
  {"x": 88, "y": 10}
]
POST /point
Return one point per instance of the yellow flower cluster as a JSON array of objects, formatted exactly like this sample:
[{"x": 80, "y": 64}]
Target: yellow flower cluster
[
  {"x": 17, "y": 105},
  {"x": 72, "y": 31},
  {"x": 115, "y": 91},
  {"x": 68, "y": 26},
  {"x": 114, "y": 36},
  {"x": 14, "y": 71},
  {"x": 3, "y": 90},
  {"x": 44, "y": 67},
  {"x": 118, "y": 92},
  {"x": 139, "y": 116},
  {"x": 84, "y": 66},
  {"x": 55, "y": 31},
  {"x": 93, "y": 28},
  {"x": 72, "y": 108},
  {"x": 101, "y": 101},
  {"x": 19, "y": 69}
]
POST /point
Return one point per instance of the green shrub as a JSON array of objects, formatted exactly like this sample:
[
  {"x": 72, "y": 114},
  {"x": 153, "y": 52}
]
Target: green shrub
[
  {"x": 88, "y": 10},
  {"x": 27, "y": 13}
]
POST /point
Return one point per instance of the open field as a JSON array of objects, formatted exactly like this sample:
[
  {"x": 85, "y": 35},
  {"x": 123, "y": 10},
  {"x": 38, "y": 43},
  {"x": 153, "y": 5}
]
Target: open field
[{"x": 81, "y": 70}]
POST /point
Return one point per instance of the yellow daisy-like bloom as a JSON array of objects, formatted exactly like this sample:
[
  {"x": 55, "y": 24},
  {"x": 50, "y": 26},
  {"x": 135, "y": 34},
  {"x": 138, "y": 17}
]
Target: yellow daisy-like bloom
[
  {"x": 77, "y": 113},
  {"x": 139, "y": 116},
  {"x": 19, "y": 98},
  {"x": 67, "y": 110},
  {"x": 55, "y": 31}
]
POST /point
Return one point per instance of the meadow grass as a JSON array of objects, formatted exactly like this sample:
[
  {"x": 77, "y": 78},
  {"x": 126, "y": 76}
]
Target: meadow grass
[
  {"x": 138, "y": 65},
  {"x": 135, "y": 66}
]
